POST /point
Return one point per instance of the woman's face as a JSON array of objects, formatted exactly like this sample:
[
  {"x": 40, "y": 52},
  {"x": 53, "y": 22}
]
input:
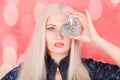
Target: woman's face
[{"x": 56, "y": 43}]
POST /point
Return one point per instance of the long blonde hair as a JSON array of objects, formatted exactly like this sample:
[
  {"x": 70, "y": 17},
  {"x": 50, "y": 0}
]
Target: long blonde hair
[{"x": 34, "y": 66}]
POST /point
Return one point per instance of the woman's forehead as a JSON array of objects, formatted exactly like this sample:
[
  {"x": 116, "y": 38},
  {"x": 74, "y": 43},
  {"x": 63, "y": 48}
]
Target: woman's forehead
[{"x": 56, "y": 17}]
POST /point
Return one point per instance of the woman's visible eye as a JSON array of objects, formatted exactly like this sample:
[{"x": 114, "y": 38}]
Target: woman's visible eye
[{"x": 51, "y": 28}]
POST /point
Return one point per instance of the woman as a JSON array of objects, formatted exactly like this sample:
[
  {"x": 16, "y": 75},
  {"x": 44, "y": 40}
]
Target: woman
[{"x": 52, "y": 56}]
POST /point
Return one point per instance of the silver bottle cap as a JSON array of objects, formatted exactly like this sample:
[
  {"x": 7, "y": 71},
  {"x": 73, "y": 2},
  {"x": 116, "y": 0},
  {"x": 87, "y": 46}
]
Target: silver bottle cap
[{"x": 71, "y": 20}]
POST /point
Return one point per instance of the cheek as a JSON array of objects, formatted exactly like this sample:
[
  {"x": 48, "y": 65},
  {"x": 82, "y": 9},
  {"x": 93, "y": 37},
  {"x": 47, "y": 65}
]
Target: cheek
[
  {"x": 68, "y": 42},
  {"x": 49, "y": 38}
]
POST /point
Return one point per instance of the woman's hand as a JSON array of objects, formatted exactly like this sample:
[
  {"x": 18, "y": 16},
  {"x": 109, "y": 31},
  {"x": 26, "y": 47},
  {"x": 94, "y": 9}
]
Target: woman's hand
[{"x": 88, "y": 34}]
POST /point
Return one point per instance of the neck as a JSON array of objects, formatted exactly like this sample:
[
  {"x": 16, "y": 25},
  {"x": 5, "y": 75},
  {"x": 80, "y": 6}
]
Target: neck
[{"x": 57, "y": 57}]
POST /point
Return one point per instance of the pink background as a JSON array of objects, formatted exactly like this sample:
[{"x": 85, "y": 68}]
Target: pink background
[{"x": 18, "y": 18}]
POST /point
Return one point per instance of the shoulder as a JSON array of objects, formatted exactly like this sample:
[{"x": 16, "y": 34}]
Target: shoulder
[
  {"x": 100, "y": 70},
  {"x": 12, "y": 75},
  {"x": 99, "y": 64}
]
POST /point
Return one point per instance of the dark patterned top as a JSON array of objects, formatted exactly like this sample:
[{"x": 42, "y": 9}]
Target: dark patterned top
[{"x": 97, "y": 70}]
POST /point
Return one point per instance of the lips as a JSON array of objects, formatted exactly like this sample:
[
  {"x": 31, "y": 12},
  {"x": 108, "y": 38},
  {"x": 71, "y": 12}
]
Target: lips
[{"x": 59, "y": 45}]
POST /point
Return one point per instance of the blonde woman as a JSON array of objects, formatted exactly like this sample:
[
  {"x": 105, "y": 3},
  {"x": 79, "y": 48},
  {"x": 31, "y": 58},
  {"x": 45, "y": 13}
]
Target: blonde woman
[{"x": 52, "y": 56}]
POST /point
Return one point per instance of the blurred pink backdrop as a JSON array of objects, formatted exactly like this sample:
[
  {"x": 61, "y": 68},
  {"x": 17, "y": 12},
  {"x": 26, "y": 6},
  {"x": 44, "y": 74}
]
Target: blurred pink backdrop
[{"x": 18, "y": 19}]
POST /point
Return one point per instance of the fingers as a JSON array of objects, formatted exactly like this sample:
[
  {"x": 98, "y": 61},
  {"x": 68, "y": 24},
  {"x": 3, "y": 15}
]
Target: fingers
[
  {"x": 82, "y": 18},
  {"x": 89, "y": 18},
  {"x": 80, "y": 37}
]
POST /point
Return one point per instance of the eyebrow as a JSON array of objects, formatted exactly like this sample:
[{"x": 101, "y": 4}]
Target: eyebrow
[{"x": 51, "y": 25}]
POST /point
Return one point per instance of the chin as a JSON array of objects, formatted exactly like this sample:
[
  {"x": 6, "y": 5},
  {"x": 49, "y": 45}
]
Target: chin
[{"x": 60, "y": 51}]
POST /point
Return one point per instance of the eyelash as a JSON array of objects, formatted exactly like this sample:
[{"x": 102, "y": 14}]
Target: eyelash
[{"x": 51, "y": 28}]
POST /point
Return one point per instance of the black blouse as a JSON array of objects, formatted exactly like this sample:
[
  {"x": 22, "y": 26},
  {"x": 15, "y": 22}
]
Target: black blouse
[{"x": 97, "y": 70}]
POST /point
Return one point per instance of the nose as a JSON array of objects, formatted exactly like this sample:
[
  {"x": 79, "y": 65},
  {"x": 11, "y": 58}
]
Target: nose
[{"x": 59, "y": 36}]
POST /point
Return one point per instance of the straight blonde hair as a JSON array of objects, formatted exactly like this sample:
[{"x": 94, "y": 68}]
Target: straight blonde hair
[{"x": 34, "y": 66}]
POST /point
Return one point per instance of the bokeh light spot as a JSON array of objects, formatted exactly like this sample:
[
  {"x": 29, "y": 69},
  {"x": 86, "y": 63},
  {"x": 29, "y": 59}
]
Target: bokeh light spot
[
  {"x": 10, "y": 14},
  {"x": 13, "y": 1},
  {"x": 39, "y": 8},
  {"x": 95, "y": 8},
  {"x": 10, "y": 40},
  {"x": 9, "y": 56},
  {"x": 115, "y": 1},
  {"x": 27, "y": 25}
]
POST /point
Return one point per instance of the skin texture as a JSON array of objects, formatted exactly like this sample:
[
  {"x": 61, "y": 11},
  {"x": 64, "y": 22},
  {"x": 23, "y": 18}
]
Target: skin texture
[
  {"x": 89, "y": 35},
  {"x": 58, "y": 46}
]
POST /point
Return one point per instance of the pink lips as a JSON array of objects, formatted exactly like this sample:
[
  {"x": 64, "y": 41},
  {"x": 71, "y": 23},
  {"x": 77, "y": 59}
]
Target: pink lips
[{"x": 59, "y": 45}]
